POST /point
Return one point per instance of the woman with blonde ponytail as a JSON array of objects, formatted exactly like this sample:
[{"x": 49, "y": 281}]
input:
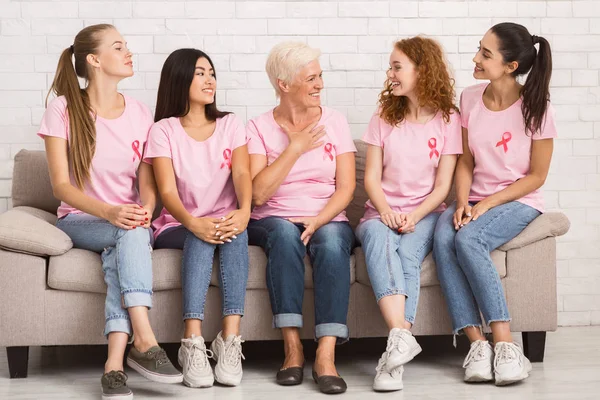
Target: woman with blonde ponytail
[{"x": 94, "y": 141}]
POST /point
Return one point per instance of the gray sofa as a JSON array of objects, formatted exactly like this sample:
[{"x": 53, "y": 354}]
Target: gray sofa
[{"x": 52, "y": 294}]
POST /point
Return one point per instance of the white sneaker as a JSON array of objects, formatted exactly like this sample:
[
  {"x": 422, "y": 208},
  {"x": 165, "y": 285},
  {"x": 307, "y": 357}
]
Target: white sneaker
[
  {"x": 228, "y": 354},
  {"x": 193, "y": 357},
  {"x": 510, "y": 364},
  {"x": 385, "y": 380},
  {"x": 478, "y": 363},
  {"x": 401, "y": 348}
]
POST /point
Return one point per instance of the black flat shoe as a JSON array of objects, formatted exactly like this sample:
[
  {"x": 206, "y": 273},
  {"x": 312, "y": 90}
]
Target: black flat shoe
[
  {"x": 290, "y": 376},
  {"x": 330, "y": 384}
]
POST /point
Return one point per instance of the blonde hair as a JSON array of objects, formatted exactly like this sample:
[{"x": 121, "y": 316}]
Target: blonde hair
[
  {"x": 286, "y": 59},
  {"x": 82, "y": 127}
]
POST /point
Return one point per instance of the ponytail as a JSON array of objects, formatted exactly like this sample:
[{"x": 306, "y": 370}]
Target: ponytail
[
  {"x": 536, "y": 92},
  {"x": 517, "y": 44},
  {"x": 82, "y": 127}
]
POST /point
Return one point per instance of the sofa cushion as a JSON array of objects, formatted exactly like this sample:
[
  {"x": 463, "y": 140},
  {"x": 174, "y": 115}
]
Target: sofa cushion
[
  {"x": 428, "y": 269},
  {"x": 31, "y": 182},
  {"x": 32, "y": 231},
  {"x": 81, "y": 271}
]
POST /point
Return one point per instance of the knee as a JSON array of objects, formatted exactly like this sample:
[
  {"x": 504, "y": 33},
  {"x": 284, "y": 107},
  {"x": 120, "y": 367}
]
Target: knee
[
  {"x": 374, "y": 232},
  {"x": 137, "y": 236},
  {"x": 466, "y": 240},
  {"x": 284, "y": 234}
]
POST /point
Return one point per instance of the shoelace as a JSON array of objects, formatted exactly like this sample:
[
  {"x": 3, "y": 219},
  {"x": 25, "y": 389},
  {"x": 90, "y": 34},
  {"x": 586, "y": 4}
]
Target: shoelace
[
  {"x": 160, "y": 356},
  {"x": 505, "y": 353},
  {"x": 382, "y": 364},
  {"x": 476, "y": 353},
  {"x": 233, "y": 351},
  {"x": 197, "y": 357},
  {"x": 397, "y": 342},
  {"x": 116, "y": 379}
]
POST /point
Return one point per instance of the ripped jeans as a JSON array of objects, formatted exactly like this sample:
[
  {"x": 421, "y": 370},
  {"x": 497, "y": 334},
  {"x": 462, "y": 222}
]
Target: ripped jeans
[{"x": 126, "y": 262}]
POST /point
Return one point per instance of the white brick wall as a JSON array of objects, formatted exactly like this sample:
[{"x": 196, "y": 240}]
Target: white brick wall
[{"x": 355, "y": 37}]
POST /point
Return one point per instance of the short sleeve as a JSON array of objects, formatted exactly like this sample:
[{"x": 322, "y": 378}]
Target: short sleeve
[
  {"x": 55, "y": 122},
  {"x": 158, "y": 144},
  {"x": 373, "y": 133},
  {"x": 549, "y": 130},
  {"x": 344, "y": 144},
  {"x": 239, "y": 132},
  {"x": 256, "y": 145},
  {"x": 453, "y": 135}
]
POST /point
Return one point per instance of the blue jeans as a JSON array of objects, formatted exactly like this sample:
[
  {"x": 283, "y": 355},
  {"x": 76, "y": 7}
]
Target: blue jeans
[
  {"x": 467, "y": 275},
  {"x": 394, "y": 259},
  {"x": 196, "y": 269},
  {"x": 126, "y": 262},
  {"x": 329, "y": 250}
]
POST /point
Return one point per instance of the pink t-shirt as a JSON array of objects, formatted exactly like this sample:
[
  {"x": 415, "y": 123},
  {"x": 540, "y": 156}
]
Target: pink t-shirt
[
  {"x": 311, "y": 181},
  {"x": 500, "y": 147},
  {"x": 202, "y": 169},
  {"x": 411, "y": 155},
  {"x": 119, "y": 146}
]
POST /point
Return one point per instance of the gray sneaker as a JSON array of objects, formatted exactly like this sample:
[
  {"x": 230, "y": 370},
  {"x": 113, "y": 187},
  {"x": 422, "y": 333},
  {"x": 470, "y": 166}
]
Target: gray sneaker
[
  {"x": 114, "y": 386},
  {"x": 154, "y": 365}
]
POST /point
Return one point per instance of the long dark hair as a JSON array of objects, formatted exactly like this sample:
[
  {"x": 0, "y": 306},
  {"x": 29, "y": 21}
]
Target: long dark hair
[
  {"x": 82, "y": 128},
  {"x": 174, "y": 88},
  {"x": 517, "y": 44}
]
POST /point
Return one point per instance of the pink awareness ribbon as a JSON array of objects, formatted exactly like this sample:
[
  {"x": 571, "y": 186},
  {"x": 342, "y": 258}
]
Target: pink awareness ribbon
[
  {"x": 135, "y": 145},
  {"x": 227, "y": 158},
  {"x": 506, "y": 137},
  {"x": 327, "y": 148},
  {"x": 432, "y": 143}
]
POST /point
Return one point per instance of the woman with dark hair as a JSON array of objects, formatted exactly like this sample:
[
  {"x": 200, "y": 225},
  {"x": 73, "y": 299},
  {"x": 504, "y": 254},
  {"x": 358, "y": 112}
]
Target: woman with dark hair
[
  {"x": 407, "y": 189},
  {"x": 94, "y": 138},
  {"x": 201, "y": 164},
  {"x": 508, "y": 132}
]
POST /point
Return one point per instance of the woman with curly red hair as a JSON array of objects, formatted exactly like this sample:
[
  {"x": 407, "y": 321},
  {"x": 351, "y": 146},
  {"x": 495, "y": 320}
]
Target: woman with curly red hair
[{"x": 414, "y": 139}]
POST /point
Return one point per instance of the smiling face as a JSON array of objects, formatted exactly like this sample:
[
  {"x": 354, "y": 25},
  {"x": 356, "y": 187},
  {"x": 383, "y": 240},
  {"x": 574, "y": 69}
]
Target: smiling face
[
  {"x": 112, "y": 57},
  {"x": 489, "y": 63},
  {"x": 204, "y": 84},
  {"x": 305, "y": 88},
  {"x": 402, "y": 74}
]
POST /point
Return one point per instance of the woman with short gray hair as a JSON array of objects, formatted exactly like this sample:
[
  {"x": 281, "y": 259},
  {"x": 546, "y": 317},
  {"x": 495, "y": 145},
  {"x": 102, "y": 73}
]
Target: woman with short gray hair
[{"x": 302, "y": 164}]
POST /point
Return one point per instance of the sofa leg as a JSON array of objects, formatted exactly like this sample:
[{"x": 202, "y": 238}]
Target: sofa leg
[
  {"x": 534, "y": 344},
  {"x": 18, "y": 358}
]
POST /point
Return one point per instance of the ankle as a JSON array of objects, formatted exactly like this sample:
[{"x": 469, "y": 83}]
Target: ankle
[
  {"x": 144, "y": 345},
  {"x": 111, "y": 365}
]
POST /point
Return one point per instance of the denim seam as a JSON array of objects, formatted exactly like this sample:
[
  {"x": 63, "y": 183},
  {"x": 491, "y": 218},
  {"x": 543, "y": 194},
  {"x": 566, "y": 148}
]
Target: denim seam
[
  {"x": 234, "y": 311},
  {"x": 499, "y": 297},
  {"x": 199, "y": 316},
  {"x": 391, "y": 292},
  {"x": 117, "y": 316},
  {"x": 389, "y": 261},
  {"x": 125, "y": 291},
  {"x": 223, "y": 280},
  {"x": 267, "y": 244}
]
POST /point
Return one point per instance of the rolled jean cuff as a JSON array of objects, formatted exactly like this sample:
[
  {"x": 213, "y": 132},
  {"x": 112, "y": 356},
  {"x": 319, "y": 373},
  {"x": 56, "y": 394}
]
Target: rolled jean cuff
[
  {"x": 332, "y": 329},
  {"x": 390, "y": 292},
  {"x": 287, "y": 321},
  {"x": 233, "y": 311},
  {"x": 193, "y": 316},
  {"x": 137, "y": 298},
  {"x": 117, "y": 323}
]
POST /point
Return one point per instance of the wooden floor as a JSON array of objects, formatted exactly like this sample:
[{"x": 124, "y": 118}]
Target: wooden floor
[{"x": 571, "y": 370}]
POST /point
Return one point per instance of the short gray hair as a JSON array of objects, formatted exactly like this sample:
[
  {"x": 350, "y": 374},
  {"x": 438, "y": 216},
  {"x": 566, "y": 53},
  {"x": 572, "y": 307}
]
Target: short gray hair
[{"x": 286, "y": 59}]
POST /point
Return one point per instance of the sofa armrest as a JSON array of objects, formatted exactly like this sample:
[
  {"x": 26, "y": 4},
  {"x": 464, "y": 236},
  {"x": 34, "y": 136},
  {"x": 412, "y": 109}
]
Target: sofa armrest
[
  {"x": 546, "y": 225},
  {"x": 32, "y": 231}
]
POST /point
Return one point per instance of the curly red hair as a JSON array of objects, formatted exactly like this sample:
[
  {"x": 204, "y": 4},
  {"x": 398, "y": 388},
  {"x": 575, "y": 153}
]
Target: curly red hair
[{"x": 434, "y": 88}]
